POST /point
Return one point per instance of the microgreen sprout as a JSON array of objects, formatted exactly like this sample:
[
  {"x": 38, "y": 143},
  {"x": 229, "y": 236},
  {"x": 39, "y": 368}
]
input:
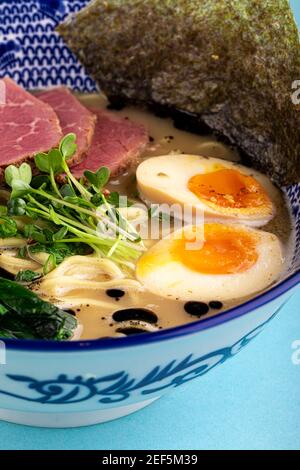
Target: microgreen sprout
[
  {"x": 76, "y": 213},
  {"x": 98, "y": 179}
]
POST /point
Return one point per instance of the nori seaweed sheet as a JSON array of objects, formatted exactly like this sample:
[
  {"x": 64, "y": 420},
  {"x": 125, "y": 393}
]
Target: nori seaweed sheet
[{"x": 227, "y": 63}]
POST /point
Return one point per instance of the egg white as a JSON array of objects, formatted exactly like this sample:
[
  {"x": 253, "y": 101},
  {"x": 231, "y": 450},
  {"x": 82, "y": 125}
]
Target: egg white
[
  {"x": 164, "y": 180},
  {"x": 174, "y": 280}
]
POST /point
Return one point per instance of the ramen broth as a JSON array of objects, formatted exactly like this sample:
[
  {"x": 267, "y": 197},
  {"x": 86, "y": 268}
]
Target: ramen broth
[{"x": 101, "y": 315}]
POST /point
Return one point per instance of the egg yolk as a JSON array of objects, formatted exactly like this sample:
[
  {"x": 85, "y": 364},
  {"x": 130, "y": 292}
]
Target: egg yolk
[
  {"x": 225, "y": 250},
  {"x": 229, "y": 188}
]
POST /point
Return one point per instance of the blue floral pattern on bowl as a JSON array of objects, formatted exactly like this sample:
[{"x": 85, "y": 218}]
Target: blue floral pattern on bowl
[{"x": 118, "y": 387}]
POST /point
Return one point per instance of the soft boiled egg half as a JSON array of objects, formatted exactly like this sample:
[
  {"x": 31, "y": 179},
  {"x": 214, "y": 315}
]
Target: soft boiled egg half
[
  {"x": 213, "y": 262},
  {"x": 219, "y": 188}
]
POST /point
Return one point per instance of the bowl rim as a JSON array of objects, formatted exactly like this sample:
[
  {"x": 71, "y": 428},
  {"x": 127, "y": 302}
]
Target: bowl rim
[{"x": 168, "y": 334}]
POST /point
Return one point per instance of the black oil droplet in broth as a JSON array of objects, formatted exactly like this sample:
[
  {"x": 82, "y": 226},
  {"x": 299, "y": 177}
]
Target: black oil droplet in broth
[
  {"x": 215, "y": 305},
  {"x": 197, "y": 309},
  {"x": 115, "y": 293},
  {"x": 138, "y": 314}
]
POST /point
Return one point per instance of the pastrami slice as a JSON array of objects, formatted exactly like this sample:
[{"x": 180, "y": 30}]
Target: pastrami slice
[
  {"x": 73, "y": 117},
  {"x": 27, "y": 125},
  {"x": 117, "y": 144}
]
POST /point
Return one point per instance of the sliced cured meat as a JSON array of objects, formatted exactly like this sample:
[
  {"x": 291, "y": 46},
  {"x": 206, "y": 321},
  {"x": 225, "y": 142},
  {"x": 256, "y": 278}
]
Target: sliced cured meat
[
  {"x": 73, "y": 117},
  {"x": 27, "y": 125},
  {"x": 116, "y": 144}
]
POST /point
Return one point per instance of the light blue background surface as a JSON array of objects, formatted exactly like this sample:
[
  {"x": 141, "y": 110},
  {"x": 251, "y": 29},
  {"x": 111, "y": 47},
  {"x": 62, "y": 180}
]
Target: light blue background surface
[{"x": 250, "y": 402}]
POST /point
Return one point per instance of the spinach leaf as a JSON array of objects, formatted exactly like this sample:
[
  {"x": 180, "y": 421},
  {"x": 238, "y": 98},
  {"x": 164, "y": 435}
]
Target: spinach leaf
[
  {"x": 3, "y": 309},
  {"x": 12, "y": 326},
  {"x": 29, "y": 317}
]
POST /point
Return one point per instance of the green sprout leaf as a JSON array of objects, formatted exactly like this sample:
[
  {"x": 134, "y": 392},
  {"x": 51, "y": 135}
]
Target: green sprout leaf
[
  {"x": 19, "y": 188},
  {"x": 55, "y": 161},
  {"x": 97, "y": 199},
  {"x": 98, "y": 179},
  {"x": 52, "y": 161},
  {"x": 78, "y": 201},
  {"x": 72, "y": 208},
  {"x": 68, "y": 146},
  {"x": 32, "y": 232},
  {"x": 42, "y": 162},
  {"x": 60, "y": 250},
  {"x": 54, "y": 217},
  {"x": 30, "y": 212},
  {"x": 60, "y": 234},
  {"x": 50, "y": 264},
  {"x": 67, "y": 191},
  {"x": 25, "y": 173},
  {"x": 8, "y": 227},
  {"x": 22, "y": 173},
  {"x": 11, "y": 174},
  {"x": 3, "y": 210},
  {"x": 16, "y": 207},
  {"x": 48, "y": 234},
  {"x": 114, "y": 199}
]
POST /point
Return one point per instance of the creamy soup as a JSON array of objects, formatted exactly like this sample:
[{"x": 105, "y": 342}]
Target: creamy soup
[
  {"x": 197, "y": 234},
  {"x": 119, "y": 311}
]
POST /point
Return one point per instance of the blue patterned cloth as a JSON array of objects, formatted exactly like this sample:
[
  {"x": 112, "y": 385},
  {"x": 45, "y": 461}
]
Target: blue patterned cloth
[{"x": 31, "y": 53}]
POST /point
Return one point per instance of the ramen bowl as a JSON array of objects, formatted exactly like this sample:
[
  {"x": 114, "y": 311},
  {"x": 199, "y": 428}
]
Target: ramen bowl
[{"x": 81, "y": 383}]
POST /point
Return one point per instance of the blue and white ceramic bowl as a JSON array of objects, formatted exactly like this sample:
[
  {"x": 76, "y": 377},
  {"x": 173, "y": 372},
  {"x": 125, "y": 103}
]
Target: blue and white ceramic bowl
[{"x": 82, "y": 383}]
